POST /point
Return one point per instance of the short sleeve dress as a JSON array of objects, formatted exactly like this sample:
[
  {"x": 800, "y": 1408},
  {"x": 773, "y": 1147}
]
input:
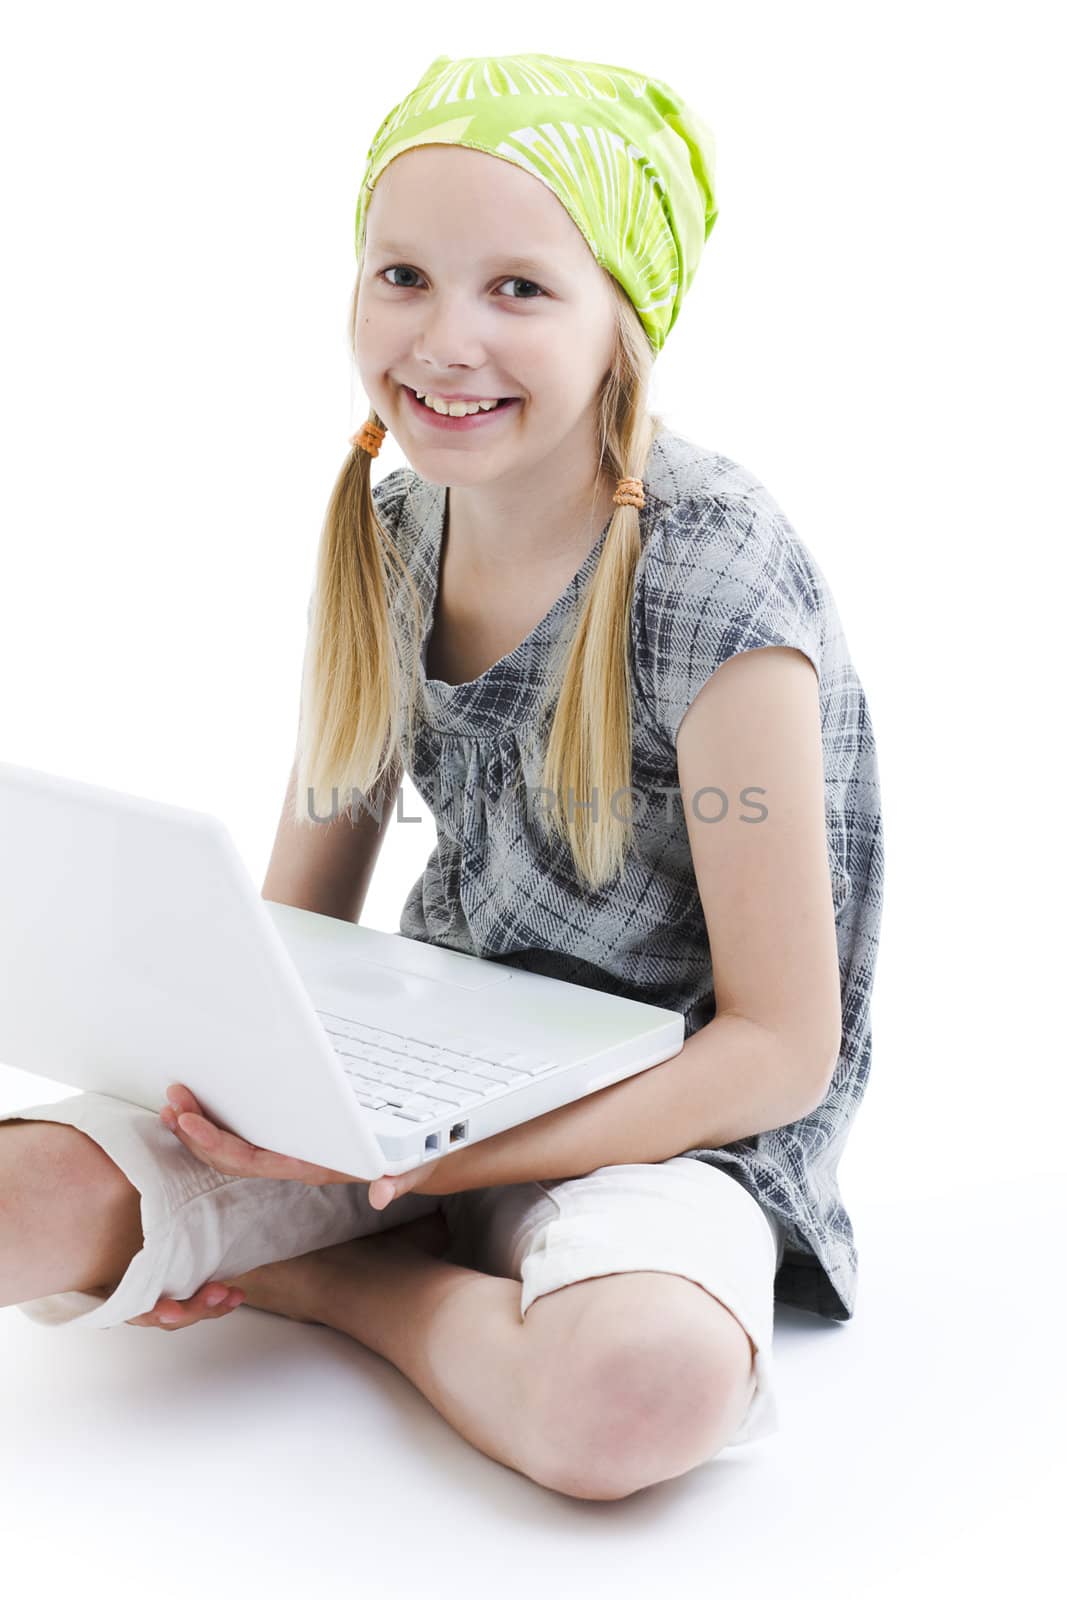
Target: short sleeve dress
[{"x": 721, "y": 571}]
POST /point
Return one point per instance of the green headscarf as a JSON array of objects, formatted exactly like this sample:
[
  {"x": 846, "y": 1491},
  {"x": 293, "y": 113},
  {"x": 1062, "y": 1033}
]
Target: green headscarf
[{"x": 632, "y": 164}]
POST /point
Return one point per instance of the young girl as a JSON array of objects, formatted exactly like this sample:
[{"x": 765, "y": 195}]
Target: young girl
[{"x": 618, "y": 680}]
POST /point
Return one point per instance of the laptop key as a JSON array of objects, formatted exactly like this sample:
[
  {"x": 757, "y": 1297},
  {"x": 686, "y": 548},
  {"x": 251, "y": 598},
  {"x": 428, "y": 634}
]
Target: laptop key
[
  {"x": 385, "y": 1058},
  {"x": 409, "y": 1080},
  {"x": 390, "y": 1076},
  {"x": 501, "y": 1075},
  {"x": 406, "y": 1047},
  {"x": 483, "y": 1089},
  {"x": 456, "y": 1095},
  {"x": 533, "y": 1064},
  {"x": 351, "y": 1055},
  {"x": 436, "y": 1108},
  {"x": 489, "y": 1089},
  {"x": 464, "y": 1080},
  {"x": 458, "y": 1059}
]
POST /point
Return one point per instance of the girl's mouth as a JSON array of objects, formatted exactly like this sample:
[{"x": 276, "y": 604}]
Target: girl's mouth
[{"x": 476, "y": 419}]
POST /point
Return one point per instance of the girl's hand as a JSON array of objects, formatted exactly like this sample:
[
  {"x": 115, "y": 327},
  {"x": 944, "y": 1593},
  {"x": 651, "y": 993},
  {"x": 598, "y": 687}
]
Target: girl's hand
[
  {"x": 210, "y": 1300},
  {"x": 234, "y": 1156}
]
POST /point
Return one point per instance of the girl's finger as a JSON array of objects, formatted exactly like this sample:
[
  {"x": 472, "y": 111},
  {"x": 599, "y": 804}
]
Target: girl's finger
[
  {"x": 182, "y": 1099},
  {"x": 236, "y": 1158},
  {"x": 212, "y": 1300},
  {"x": 205, "y": 1142},
  {"x": 199, "y": 1129},
  {"x": 225, "y": 1152},
  {"x": 185, "y": 1103},
  {"x": 232, "y": 1155}
]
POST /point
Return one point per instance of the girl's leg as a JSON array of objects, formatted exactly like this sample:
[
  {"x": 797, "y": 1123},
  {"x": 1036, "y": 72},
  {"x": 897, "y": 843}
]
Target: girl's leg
[
  {"x": 455, "y": 1333},
  {"x": 69, "y": 1218},
  {"x": 537, "y": 1394}
]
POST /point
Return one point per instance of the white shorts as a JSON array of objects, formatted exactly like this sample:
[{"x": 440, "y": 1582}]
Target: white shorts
[{"x": 680, "y": 1215}]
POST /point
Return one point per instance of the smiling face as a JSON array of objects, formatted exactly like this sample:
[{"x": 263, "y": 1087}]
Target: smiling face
[{"x": 476, "y": 281}]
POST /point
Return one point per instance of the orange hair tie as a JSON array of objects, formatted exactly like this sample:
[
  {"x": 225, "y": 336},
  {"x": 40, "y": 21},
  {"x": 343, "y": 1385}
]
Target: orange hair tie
[
  {"x": 369, "y": 438},
  {"x": 630, "y": 492}
]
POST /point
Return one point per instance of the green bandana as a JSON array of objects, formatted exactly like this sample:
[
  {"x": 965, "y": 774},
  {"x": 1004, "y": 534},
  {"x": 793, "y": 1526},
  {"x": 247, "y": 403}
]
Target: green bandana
[{"x": 632, "y": 164}]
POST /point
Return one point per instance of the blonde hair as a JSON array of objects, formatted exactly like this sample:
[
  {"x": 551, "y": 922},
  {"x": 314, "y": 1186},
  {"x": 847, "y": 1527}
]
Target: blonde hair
[{"x": 356, "y": 707}]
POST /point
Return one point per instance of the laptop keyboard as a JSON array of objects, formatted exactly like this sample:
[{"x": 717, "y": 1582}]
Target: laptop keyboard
[{"x": 419, "y": 1081}]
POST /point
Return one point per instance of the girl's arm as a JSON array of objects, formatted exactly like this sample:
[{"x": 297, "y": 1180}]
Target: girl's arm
[
  {"x": 327, "y": 867},
  {"x": 765, "y": 885}
]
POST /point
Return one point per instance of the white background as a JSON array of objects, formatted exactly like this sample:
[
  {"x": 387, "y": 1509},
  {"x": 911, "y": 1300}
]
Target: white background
[{"x": 874, "y": 332}]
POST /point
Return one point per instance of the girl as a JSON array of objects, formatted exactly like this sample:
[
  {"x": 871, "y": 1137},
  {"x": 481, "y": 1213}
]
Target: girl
[{"x": 618, "y": 679}]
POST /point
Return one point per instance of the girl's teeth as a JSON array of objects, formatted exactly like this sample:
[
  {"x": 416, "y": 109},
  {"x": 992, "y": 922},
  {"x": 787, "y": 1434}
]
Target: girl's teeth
[{"x": 456, "y": 408}]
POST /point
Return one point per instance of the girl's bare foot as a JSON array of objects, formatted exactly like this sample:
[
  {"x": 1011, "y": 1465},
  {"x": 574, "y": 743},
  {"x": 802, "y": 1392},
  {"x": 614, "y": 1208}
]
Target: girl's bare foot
[{"x": 290, "y": 1288}]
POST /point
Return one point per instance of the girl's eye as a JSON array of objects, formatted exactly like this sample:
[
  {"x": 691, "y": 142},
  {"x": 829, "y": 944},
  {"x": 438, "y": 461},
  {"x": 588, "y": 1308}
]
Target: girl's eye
[
  {"x": 392, "y": 285},
  {"x": 528, "y": 283}
]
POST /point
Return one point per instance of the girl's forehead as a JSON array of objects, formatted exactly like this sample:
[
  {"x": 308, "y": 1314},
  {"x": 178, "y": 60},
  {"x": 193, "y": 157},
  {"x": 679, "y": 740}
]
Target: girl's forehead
[
  {"x": 444, "y": 176},
  {"x": 423, "y": 195}
]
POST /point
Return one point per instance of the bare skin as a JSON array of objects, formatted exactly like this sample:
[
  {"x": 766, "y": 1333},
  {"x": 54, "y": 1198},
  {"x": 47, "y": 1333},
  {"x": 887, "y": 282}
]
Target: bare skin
[
  {"x": 457, "y": 1335},
  {"x": 295, "y": 1288},
  {"x": 287, "y": 1288}
]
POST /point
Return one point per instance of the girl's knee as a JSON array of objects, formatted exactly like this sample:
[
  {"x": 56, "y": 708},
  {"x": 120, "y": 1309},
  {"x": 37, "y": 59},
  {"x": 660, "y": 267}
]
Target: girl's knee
[{"x": 622, "y": 1402}]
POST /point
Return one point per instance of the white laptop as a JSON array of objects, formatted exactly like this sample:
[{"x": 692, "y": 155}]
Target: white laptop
[{"x": 136, "y": 952}]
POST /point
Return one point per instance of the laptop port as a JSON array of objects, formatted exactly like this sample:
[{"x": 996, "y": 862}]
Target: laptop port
[
  {"x": 459, "y": 1131},
  {"x": 432, "y": 1141}
]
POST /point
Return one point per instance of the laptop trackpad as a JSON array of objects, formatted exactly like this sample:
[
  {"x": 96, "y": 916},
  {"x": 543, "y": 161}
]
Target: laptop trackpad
[
  {"x": 358, "y": 980},
  {"x": 357, "y": 959},
  {"x": 344, "y": 972}
]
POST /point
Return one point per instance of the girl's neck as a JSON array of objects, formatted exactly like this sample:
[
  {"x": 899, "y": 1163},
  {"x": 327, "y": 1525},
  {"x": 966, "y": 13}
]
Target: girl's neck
[{"x": 563, "y": 528}]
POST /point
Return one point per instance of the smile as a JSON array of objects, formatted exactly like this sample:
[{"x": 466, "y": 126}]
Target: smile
[{"x": 474, "y": 419}]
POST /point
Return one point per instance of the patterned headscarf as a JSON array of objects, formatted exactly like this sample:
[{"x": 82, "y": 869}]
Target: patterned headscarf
[{"x": 632, "y": 164}]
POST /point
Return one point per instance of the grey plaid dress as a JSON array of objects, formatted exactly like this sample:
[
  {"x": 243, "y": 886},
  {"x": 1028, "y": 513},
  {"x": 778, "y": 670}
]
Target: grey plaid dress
[{"x": 721, "y": 571}]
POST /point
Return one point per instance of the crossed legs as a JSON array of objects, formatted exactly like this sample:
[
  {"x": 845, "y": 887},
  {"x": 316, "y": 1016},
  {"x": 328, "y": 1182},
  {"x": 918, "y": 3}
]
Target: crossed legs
[{"x": 608, "y": 1385}]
